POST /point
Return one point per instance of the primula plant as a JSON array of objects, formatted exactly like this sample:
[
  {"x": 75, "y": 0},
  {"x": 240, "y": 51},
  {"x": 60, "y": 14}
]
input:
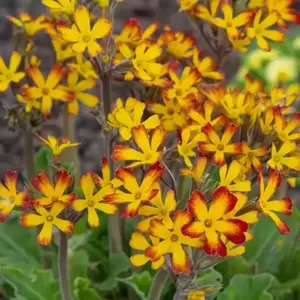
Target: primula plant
[{"x": 189, "y": 166}]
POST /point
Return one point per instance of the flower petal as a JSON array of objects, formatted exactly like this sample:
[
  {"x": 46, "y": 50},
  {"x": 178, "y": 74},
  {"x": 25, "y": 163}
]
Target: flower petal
[
  {"x": 63, "y": 225},
  {"x": 107, "y": 208},
  {"x": 138, "y": 241},
  {"x": 31, "y": 220},
  {"x": 139, "y": 260},
  {"x": 93, "y": 218},
  {"x": 233, "y": 229},
  {"x": 123, "y": 152},
  {"x": 101, "y": 28},
  {"x": 197, "y": 206},
  {"x": 45, "y": 236},
  {"x": 151, "y": 176},
  {"x": 158, "y": 229},
  {"x": 180, "y": 261},
  {"x": 213, "y": 244},
  {"x": 63, "y": 181},
  {"x": 129, "y": 179},
  {"x": 43, "y": 184}
]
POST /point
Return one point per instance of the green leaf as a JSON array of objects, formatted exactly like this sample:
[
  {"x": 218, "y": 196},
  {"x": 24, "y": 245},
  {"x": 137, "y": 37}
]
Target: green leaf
[
  {"x": 209, "y": 277},
  {"x": 139, "y": 282},
  {"x": 35, "y": 285},
  {"x": 248, "y": 287},
  {"x": 79, "y": 265},
  {"x": 42, "y": 160},
  {"x": 84, "y": 291}
]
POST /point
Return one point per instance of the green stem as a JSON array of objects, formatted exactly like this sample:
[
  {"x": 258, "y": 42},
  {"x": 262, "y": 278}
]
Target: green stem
[
  {"x": 158, "y": 284},
  {"x": 114, "y": 221},
  {"x": 63, "y": 268},
  {"x": 29, "y": 149}
]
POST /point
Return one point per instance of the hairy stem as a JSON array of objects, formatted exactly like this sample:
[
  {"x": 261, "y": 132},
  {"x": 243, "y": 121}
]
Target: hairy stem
[
  {"x": 114, "y": 221},
  {"x": 28, "y": 149},
  {"x": 63, "y": 268},
  {"x": 158, "y": 284}
]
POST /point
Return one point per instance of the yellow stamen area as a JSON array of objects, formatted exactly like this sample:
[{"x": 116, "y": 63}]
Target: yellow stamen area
[
  {"x": 138, "y": 196},
  {"x": 208, "y": 223},
  {"x": 49, "y": 218},
  {"x": 90, "y": 203},
  {"x": 86, "y": 38},
  {"x": 220, "y": 147},
  {"x": 174, "y": 238}
]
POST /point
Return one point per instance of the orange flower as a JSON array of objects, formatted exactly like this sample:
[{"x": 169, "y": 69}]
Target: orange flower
[
  {"x": 220, "y": 147},
  {"x": 149, "y": 153},
  {"x": 9, "y": 196},
  {"x": 270, "y": 207},
  {"x": 172, "y": 242},
  {"x": 53, "y": 194},
  {"x": 47, "y": 219},
  {"x": 138, "y": 194},
  {"x": 211, "y": 222}
]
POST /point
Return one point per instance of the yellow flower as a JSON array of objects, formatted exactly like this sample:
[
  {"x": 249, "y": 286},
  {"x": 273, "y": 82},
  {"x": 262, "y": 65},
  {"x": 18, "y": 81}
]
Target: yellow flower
[
  {"x": 28, "y": 103},
  {"x": 187, "y": 5},
  {"x": 233, "y": 249},
  {"x": 208, "y": 13},
  {"x": 241, "y": 44},
  {"x": 83, "y": 67},
  {"x": 62, "y": 49},
  {"x": 229, "y": 178},
  {"x": 188, "y": 144},
  {"x": 197, "y": 170},
  {"x": 57, "y": 146},
  {"x": 137, "y": 194},
  {"x": 266, "y": 121},
  {"x": 9, "y": 196},
  {"x": 256, "y": 3},
  {"x": 230, "y": 22},
  {"x": 47, "y": 89},
  {"x": 93, "y": 202},
  {"x": 139, "y": 242},
  {"x": 47, "y": 219},
  {"x": 81, "y": 36},
  {"x": 158, "y": 210},
  {"x": 279, "y": 158},
  {"x": 148, "y": 154},
  {"x": 10, "y": 74},
  {"x": 78, "y": 88},
  {"x": 259, "y": 30},
  {"x": 61, "y": 6},
  {"x": 30, "y": 25},
  {"x": 125, "y": 118}
]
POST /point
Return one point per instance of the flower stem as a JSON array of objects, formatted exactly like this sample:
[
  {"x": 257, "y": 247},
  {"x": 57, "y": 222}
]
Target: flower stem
[
  {"x": 114, "y": 221},
  {"x": 28, "y": 149},
  {"x": 63, "y": 268},
  {"x": 158, "y": 284}
]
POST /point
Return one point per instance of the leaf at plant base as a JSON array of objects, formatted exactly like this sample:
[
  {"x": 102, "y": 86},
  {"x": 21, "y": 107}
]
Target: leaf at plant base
[
  {"x": 42, "y": 160},
  {"x": 208, "y": 277},
  {"x": 139, "y": 282},
  {"x": 78, "y": 240},
  {"x": 84, "y": 291},
  {"x": 250, "y": 287},
  {"x": 36, "y": 285},
  {"x": 79, "y": 265}
]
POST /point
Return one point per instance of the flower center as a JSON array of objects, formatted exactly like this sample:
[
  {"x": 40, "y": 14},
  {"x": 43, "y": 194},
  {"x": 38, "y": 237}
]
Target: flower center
[
  {"x": 8, "y": 76},
  {"x": 276, "y": 158},
  {"x": 46, "y": 91},
  {"x": 258, "y": 31},
  {"x": 90, "y": 203},
  {"x": 228, "y": 24},
  {"x": 250, "y": 155},
  {"x": 49, "y": 218},
  {"x": 148, "y": 156},
  {"x": 179, "y": 92},
  {"x": 170, "y": 111},
  {"x": 174, "y": 238},
  {"x": 86, "y": 38},
  {"x": 11, "y": 199},
  {"x": 54, "y": 199},
  {"x": 208, "y": 223},
  {"x": 138, "y": 196},
  {"x": 220, "y": 147}
]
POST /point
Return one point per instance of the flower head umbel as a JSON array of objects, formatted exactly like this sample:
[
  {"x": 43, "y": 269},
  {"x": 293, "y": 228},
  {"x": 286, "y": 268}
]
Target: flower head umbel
[
  {"x": 82, "y": 36},
  {"x": 148, "y": 154},
  {"x": 47, "y": 218},
  {"x": 172, "y": 241},
  {"x": 94, "y": 201},
  {"x": 10, "y": 74},
  {"x": 271, "y": 207},
  {"x": 211, "y": 222},
  {"x": 9, "y": 196},
  {"x": 50, "y": 193},
  {"x": 137, "y": 194}
]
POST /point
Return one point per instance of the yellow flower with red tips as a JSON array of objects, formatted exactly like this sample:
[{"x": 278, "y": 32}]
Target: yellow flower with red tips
[
  {"x": 84, "y": 67},
  {"x": 62, "y": 50},
  {"x": 158, "y": 210},
  {"x": 9, "y": 196},
  {"x": 211, "y": 222},
  {"x": 139, "y": 242},
  {"x": 184, "y": 86},
  {"x": 254, "y": 86},
  {"x": 260, "y": 31},
  {"x": 188, "y": 143},
  {"x": 170, "y": 112},
  {"x": 229, "y": 178},
  {"x": 94, "y": 201},
  {"x": 137, "y": 194},
  {"x": 178, "y": 44},
  {"x": 10, "y": 74},
  {"x": 47, "y": 219},
  {"x": 148, "y": 154},
  {"x": 129, "y": 116},
  {"x": 47, "y": 89},
  {"x": 208, "y": 13},
  {"x": 266, "y": 121},
  {"x": 61, "y": 6},
  {"x": 252, "y": 157},
  {"x": 241, "y": 44},
  {"x": 286, "y": 156},
  {"x": 57, "y": 146},
  {"x": 82, "y": 36},
  {"x": 220, "y": 146},
  {"x": 271, "y": 207},
  {"x": 285, "y": 128},
  {"x": 197, "y": 170},
  {"x": 172, "y": 242},
  {"x": 206, "y": 67},
  {"x": 232, "y": 23},
  {"x": 233, "y": 249},
  {"x": 30, "y": 25},
  {"x": 106, "y": 176},
  {"x": 78, "y": 88},
  {"x": 284, "y": 11},
  {"x": 53, "y": 194},
  {"x": 28, "y": 103}
]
